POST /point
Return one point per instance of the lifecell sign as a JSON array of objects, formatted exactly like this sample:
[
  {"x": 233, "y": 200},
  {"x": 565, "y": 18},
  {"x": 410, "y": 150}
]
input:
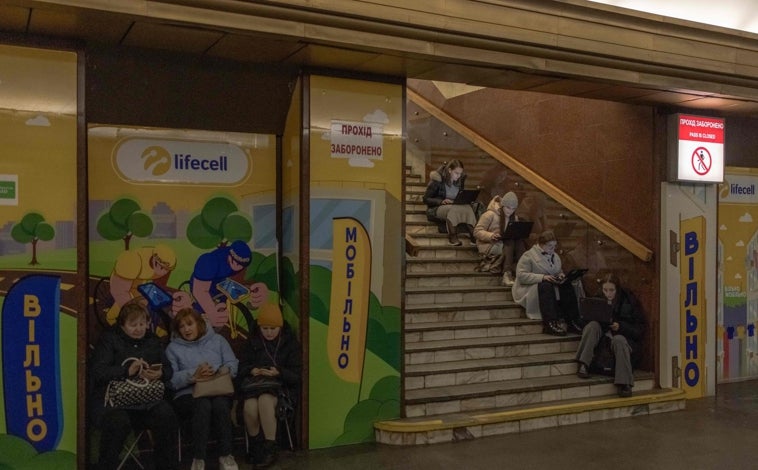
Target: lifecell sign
[{"x": 698, "y": 149}]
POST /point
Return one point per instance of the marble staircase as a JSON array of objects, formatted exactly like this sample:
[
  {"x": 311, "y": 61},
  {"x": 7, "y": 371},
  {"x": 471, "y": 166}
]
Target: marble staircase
[{"x": 474, "y": 365}]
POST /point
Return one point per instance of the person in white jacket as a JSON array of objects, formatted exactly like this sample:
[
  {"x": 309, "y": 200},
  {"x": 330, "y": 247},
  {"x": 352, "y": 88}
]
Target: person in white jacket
[
  {"x": 498, "y": 255},
  {"x": 196, "y": 351},
  {"x": 539, "y": 290}
]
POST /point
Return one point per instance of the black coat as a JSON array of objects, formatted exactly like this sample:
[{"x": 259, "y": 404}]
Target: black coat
[
  {"x": 110, "y": 352},
  {"x": 283, "y": 352},
  {"x": 435, "y": 192},
  {"x": 627, "y": 313}
]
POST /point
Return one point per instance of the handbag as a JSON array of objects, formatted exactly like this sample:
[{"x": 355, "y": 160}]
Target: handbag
[
  {"x": 603, "y": 360},
  {"x": 218, "y": 384},
  {"x": 135, "y": 393},
  {"x": 256, "y": 385}
]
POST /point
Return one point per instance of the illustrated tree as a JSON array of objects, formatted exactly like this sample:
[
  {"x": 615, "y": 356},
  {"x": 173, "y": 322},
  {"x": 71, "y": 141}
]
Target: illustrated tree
[
  {"x": 219, "y": 223},
  {"x": 124, "y": 220},
  {"x": 32, "y": 229}
]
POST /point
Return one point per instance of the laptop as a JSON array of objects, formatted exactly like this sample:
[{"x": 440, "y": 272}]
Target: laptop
[
  {"x": 517, "y": 230},
  {"x": 573, "y": 275},
  {"x": 466, "y": 196},
  {"x": 595, "y": 309}
]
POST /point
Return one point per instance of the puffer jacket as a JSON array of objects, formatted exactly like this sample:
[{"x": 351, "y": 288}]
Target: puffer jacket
[
  {"x": 185, "y": 356},
  {"x": 435, "y": 192},
  {"x": 490, "y": 224}
]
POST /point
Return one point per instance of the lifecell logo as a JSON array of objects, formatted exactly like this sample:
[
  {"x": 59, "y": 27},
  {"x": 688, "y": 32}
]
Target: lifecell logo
[{"x": 181, "y": 161}]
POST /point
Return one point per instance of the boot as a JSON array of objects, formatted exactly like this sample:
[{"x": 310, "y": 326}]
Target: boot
[
  {"x": 270, "y": 453},
  {"x": 255, "y": 455},
  {"x": 470, "y": 231},
  {"x": 452, "y": 234}
]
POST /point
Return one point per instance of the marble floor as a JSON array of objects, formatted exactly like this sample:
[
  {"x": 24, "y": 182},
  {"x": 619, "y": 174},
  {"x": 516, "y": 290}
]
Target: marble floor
[{"x": 716, "y": 432}]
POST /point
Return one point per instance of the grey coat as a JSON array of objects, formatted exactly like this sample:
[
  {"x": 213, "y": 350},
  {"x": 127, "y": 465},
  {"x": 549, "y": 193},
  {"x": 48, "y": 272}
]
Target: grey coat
[{"x": 531, "y": 268}]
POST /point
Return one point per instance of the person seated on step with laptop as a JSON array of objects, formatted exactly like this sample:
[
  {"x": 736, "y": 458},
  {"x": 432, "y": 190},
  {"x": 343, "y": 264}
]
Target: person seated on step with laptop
[
  {"x": 444, "y": 186},
  {"x": 498, "y": 248},
  {"x": 544, "y": 290},
  {"x": 624, "y": 327}
]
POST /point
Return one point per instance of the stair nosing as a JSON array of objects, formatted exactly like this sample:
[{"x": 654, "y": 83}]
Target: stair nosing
[
  {"x": 438, "y": 345},
  {"x": 468, "y": 324}
]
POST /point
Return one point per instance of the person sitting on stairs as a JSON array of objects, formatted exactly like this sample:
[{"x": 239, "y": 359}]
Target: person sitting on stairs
[
  {"x": 498, "y": 255},
  {"x": 538, "y": 288},
  {"x": 625, "y": 332},
  {"x": 444, "y": 185}
]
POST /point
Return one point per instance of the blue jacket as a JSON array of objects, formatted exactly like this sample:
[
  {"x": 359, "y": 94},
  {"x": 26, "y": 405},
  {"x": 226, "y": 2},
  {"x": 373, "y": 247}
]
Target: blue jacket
[{"x": 185, "y": 356}]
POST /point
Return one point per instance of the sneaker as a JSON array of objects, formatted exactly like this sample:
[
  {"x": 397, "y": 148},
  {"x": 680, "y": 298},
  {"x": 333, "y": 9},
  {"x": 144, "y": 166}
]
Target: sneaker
[
  {"x": 198, "y": 464},
  {"x": 508, "y": 279},
  {"x": 227, "y": 462},
  {"x": 583, "y": 372}
]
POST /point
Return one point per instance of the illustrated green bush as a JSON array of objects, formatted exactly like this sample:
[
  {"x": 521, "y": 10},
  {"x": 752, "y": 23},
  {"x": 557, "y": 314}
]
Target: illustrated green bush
[
  {"x": 219, "y": 223},
  {"x": 124, "y": 220},
  {"x": 18, "y": 454},
  {"x": 383, "y": 329},
  {"x": 382, "y": 404},
  {"x": 32, "y": 229}
]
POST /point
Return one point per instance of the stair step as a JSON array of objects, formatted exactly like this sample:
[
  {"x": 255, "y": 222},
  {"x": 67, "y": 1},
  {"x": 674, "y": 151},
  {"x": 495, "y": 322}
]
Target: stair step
[
  {"x": 474, "y": 424},
  {"x": 442, "y": 331},
  {"x": 534, "y": 340},
  {"x": 446, "y": 265},
  {"x": 413, "y": 370},
  {"x": 462, "y": 294},
  {"x": 443, "y": 279}
]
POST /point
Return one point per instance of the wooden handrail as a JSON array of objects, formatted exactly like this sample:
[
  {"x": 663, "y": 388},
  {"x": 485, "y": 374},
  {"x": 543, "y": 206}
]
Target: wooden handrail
[{"x": 611, "y": 231}]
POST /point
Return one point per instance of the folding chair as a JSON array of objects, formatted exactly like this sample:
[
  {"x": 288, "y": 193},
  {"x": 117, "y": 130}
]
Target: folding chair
[{"x": 132, "y": 450}]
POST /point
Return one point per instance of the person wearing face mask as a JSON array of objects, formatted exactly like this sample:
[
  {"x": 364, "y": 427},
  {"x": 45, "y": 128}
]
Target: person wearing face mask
[
  {"x": 130, "y": 350},
  {"x": 444, "y": 185},
  {"x": 272, "y": 351},
  {"x": 498, "y": 255},
  {"x": 625, "y": 331},
  {"x": 538, "y": 288},
  {"x": 196, "y": 352}
]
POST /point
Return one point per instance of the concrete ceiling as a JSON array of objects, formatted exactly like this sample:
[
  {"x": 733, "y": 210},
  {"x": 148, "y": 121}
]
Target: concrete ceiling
[{"x": 31, "y": 19}]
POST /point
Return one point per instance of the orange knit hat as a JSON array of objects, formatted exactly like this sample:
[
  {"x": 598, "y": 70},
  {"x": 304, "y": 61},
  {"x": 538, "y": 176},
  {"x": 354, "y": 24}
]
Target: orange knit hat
[{"x": 270, "y": 315}]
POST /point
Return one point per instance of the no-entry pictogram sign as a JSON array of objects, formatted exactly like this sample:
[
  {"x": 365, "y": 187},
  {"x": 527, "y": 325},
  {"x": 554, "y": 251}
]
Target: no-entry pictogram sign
[
  {"x": 700, "y": 149},
  {"x": 701, "y": 161}
]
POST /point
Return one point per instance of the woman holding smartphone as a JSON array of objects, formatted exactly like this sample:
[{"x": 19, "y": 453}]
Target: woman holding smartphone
[
  {"x": 130, "y": 350},
  {"x": 196, "y": 352},
  {"x": 273, "y": 352}
]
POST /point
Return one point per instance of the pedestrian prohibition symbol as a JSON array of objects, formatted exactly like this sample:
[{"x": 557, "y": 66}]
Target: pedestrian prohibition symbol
[{"x": 701, "y": 161}]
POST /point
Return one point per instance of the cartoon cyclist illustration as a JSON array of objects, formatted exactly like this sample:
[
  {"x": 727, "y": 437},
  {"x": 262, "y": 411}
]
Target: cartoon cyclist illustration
[
  {"x": 139, "y": 266},
  {"x": 215, "y": 267}
]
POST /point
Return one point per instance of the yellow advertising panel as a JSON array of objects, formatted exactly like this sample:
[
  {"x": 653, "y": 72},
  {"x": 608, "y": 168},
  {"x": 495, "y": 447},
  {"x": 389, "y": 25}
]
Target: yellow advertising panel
[
  {"x": 692, "y": 305},
  {"x": 348, "y": 312}
]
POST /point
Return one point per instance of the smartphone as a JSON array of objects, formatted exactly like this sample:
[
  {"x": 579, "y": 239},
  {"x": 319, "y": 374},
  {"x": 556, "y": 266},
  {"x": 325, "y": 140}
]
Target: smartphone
[
  {"x": 156, "y": 297},
  {"x": 156, "y": 366},
  {"x": 233, "y": 289}
]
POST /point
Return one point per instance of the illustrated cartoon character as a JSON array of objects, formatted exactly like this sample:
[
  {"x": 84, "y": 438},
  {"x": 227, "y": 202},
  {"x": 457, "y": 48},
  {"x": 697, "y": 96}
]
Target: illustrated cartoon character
[
  {"x": 216, "y": 267},
  {"x": 140, "y": 266}
]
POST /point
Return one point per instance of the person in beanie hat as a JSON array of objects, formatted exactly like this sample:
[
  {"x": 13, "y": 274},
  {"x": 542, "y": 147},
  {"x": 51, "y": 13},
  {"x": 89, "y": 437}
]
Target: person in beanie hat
[
  {"x": 272, "y": 351},
  {"x": 498, "y": 255}
]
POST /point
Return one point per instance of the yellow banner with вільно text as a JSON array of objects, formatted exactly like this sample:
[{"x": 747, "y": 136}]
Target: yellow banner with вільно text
[
  {"x": 348, "y": 309},
  {"x": 692, "y": 305}
]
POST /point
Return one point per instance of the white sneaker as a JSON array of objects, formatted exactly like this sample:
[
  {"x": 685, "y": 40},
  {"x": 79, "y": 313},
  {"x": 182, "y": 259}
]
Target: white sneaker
[
  {"x": 227, "y": 462},
  {"x": 198, "y": 464},
  {"x": 508, "y": 279}
]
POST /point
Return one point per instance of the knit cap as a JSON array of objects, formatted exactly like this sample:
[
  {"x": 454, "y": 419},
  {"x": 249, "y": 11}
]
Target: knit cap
[
  {"x": 510, "y": 200},
  {"x": 270, "y": 315}
]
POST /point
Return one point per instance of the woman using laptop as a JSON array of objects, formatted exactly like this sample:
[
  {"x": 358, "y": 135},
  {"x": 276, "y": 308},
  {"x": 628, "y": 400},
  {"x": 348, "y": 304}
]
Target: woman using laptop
[
  {"x": 499, "y": 254},
  {"x": 444, "y": 185},
  {"x": 540, "y": 289},
  {"x": 624, "y": 332}
]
